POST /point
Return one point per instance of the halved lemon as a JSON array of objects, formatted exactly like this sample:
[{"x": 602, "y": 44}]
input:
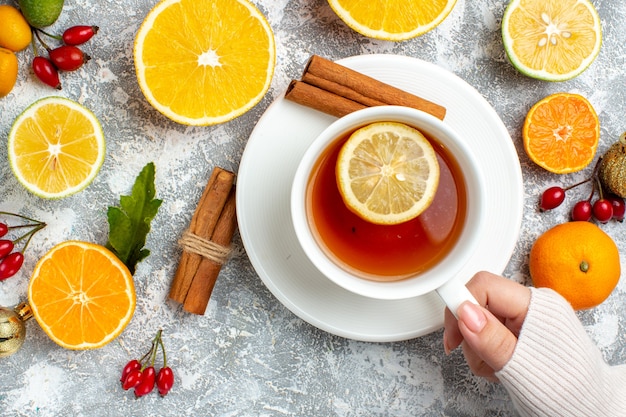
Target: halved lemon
[
  {"x": 552, "y": 40},
  {"x": 387, "y": 173},
  {"x": 56, "y": 147},
  {"x": 204, "y": 62},
  {"x": 392, "y": 20},
  {"x": 82, "y": 295}
]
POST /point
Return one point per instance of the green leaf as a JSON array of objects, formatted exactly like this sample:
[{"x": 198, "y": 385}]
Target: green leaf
[{"x": 129, "y": 224}]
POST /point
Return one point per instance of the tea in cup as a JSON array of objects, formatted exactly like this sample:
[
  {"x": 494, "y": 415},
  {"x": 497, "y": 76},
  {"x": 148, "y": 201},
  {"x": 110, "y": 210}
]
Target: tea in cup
[{"x": 390, "y": 261}]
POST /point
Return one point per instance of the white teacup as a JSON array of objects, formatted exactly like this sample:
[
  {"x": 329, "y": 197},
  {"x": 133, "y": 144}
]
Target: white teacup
[{"x": 442, "y": 277}]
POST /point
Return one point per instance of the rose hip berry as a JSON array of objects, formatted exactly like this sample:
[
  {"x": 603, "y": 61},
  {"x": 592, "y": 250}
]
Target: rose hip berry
[
  {"x": 46, "y": 72},
  {"x": 552, "y": 198},
  {"x": 146, "y": 385},
  {"x": 77, "y": 35},
  {"x": 4, "y": 229},
  {"x": 132, "y": 379},
  {"x": 132, "y": 365},
  {"x": 582, "y": 211},
  {"x": 6, "y": 246},
  {"x": 603, "y": 210},
  {"x": 165, "y": 380},
  {"x": 68, "y": 58},
  {"x": 10, "y": 264},
  {"x": 619, "y": 207}
]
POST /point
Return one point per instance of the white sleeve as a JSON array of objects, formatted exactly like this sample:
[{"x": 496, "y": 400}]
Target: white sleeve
[{"x": 556, "y": 370}]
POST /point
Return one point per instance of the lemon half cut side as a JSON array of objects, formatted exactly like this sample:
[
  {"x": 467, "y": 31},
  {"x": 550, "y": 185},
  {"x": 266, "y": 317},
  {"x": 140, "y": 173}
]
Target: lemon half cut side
[
  {"x": 56, "y": 147},
  {"x": 551, "y": 40}
]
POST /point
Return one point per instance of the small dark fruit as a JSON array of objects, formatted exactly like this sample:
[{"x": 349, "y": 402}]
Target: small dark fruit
[
  {"x": 619, "y": 207},
  {"x": 552, "y": 198},
  {"x": 582, "y": 211},
  {"x": 603, "y": 210},
  {"x": 68, "y": 58},
  {"x": 46, "y": 72}
]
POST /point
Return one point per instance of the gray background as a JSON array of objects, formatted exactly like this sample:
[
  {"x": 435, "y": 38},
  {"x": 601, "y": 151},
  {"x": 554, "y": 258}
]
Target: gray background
[{"x": 249, "y": 355}]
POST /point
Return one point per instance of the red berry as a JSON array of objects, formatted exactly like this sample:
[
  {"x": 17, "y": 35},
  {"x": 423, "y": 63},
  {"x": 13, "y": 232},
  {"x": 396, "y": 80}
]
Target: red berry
[
  {"x": 46, "y": 72},
  {"x": 133, "y": 365},
  {"x": 6, "y": 246},
  {"x": 133, "y": 379},
  {"x": 619, "y": 207},
  {"x": 147, "y": 382},
  {"x": 10, "y": 265},
  {"x": 165, "y": 380},
  {"x": 77, "y": 35},
  {"x": 603, "y": 210},
  {"x": 582, "y": 211},
  {"x": 552, "y": 198},
  {"x": 68, "y": 57},
  {"x": 4, "y": 229}
]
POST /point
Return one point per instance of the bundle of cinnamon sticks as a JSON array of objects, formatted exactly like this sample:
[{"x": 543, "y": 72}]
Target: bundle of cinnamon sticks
[
  {"x": 337, "y": 90},
  {"x": 206, "y": 243}
]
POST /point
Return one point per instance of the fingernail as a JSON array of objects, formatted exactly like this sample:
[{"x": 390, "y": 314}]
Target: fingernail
[
  {"x": 446, "y": 346},
  {"x": 472, "y": 316}
]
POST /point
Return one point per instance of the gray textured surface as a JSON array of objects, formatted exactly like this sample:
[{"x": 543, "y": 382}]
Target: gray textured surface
[{"x": 249, "y": 355}]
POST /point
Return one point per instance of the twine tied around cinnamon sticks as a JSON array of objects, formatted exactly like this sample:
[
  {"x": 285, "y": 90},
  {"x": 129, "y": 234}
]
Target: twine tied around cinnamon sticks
[
  {"x": 337, "y": 90},
  {"x": 204, "y": 247},
  {"x": 206, "y": 243}
]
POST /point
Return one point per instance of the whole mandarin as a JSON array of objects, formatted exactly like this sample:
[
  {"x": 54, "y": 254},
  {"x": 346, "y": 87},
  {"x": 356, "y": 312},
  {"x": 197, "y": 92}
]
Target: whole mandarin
[{"x": 15, "y": 32}]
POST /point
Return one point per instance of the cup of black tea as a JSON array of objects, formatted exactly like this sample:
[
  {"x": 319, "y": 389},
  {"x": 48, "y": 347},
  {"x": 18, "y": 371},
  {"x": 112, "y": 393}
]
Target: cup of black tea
[{"x": 391, "y": 261}]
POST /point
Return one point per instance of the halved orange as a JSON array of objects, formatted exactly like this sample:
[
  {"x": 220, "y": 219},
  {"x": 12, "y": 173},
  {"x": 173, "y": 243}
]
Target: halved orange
[
  {"x": 82, "y": 295},
  {"x": 552, "y": 40},
  {"x": 392, "y": 20},
  {"x": 561, "y": 133},
  {"x": 204, "y": 62},
  {"x": 387, "y": 173}
]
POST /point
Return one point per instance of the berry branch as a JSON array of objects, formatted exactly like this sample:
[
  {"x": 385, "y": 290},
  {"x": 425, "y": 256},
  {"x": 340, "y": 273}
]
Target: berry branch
[
  {"x": 608, "y": 206},
  {"x": 11, "y": 261},
  {"x": 66, "y": 57},
  {"x": 141, "y": 374}
]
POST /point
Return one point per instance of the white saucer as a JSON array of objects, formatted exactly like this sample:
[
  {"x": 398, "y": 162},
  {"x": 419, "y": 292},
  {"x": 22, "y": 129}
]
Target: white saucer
[{"x": 264, "y": 182}]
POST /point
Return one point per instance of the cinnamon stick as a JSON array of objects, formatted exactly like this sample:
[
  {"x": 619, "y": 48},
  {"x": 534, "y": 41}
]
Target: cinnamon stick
[
  {"x": 320, "y": 99},
  {"x": 336, "y": 87},
  {"x": 335, "y": 84},
  {"x": 204, "y": 280},
  {"x": 203, "y": 224}
]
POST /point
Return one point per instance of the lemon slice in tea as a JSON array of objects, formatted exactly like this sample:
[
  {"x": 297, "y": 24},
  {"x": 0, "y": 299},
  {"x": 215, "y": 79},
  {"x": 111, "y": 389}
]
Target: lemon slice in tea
[
  {"x": 56, "y": 147},
  {"x": 387, "y": 173}
]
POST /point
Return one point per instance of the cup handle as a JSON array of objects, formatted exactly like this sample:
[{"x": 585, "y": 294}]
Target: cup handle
[{"x": 454, "y": 294}]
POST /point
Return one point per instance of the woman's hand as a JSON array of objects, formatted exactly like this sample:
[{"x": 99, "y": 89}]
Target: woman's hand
[{"x": 488, "y": 333}]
